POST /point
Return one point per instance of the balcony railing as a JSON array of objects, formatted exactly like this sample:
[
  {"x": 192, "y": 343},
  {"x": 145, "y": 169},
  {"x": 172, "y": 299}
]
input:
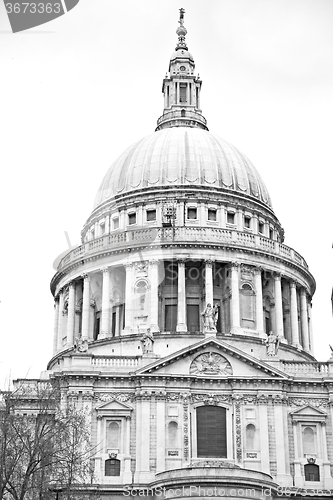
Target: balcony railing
[
  {"x": 158, "y": 236},
  {"x": 307, "y": 368}
]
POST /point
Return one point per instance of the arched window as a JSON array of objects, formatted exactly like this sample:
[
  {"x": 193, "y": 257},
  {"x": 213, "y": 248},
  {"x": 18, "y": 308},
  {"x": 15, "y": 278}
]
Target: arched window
[
  {"x": 113, "y": 435},
  {"x": 173, "y": 435},
  {"x": 311, "y": 472},
  {"x": 250, "y": 437},
  {"x": 211, "y": 432},
  {"x": 308, "y": 441},
  {"x": 112, "y": 467}
]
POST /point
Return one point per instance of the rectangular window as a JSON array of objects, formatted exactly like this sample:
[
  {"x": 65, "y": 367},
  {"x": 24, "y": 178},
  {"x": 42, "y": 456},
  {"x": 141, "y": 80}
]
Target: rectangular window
[
  {"x": 115, "y": 223},
  {"x": 261, "y": 227},
  {"x": 182, "y": 92},
  {"x": 132, "y": 218},
  {"x": 151, "y": 215},
  {"x": 211, "y": 432},
  {"x": 211, "y": 214},
  {"x": 170, "y": 318},
  {"x": 247, "y": 222},
  {"x": 191, "y": 213},
  {"x": 193, "y": 320},
  {"x": 230, "y": 218},
  {"x": 271, "y": 233}
]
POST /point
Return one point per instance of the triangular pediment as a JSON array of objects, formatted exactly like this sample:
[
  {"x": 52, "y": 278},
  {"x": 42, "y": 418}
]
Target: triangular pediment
[
  {"x": 308, "y": 411},
  {"x": 114, "y": 407},
  {"x": 212, "y": 357}
]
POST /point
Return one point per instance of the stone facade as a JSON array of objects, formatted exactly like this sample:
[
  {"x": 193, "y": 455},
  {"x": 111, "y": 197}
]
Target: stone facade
[{"x": 183, "y": 220}]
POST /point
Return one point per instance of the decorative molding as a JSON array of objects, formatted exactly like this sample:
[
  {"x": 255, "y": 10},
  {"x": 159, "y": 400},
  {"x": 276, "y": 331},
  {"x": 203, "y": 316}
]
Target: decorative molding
[
  {"x": 238, "y": 430},
  {"x": 185, "y": 425},
  {"x": 316, "y": 402},
  {"x": 211, "y": 398},
  {"x": 105, "y": 269}
]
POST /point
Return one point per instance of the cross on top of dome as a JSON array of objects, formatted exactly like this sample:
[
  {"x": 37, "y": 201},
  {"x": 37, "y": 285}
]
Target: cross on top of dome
[{"x": 181, "y": 31}]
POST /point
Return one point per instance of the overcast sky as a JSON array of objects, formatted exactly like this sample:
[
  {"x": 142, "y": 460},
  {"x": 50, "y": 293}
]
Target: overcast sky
[{"x": 79, "y": 90}]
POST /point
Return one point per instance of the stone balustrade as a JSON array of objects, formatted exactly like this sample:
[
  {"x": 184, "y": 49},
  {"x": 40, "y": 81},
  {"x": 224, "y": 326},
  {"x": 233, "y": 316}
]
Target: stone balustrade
[
  {"x": 115, "y": 361},
  {"x": 185, "y": 234},
  {"x": 306, "y": 368}
]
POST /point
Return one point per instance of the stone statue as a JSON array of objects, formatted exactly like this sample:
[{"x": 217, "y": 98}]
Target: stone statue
[
  {"x": 147, "y": 341},
  {"x": 80, "y": 345},
  {"x": 210, "y": 317},
  {"x": 272, "y": 344}
]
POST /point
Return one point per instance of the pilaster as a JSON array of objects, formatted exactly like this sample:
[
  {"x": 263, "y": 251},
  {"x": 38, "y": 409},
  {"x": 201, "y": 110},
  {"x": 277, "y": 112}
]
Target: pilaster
[
  {"x": 153, "y": 274},
  {"x": 181, "y": 310}
]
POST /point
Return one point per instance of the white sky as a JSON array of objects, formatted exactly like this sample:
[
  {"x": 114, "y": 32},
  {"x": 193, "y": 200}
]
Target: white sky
[{"x": 79, "y": 90}]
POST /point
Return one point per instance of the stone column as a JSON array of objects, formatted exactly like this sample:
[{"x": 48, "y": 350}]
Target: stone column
[
  {"x": 153, "y": 274},
  {"x": 127, "y": 476},
  {"x": 181, "y": 309},
  {"x": 105, "y": 316},
  {"x": 281, "y": 436},
  {"x": 304, "y": 321},
  {"x": 297, "y": 461},
  {"x": 264, "y": 433},
  {"x": 160, "y": 434},
  {"x": 145, "y": 440},
  {"x": 209, "y": 282},
  {"x": 278, "y": 305},
  {"x": 60, "y": 319},
  {"x": 138, "y": 438},
  {"x": 85, "y": 306},
  {"x": 259, "y": 302},
  {"x": 294, "y": 315},
  {"x": 310, "y": 326},
  {"x": 129, "y": 297},
  {"x": 235, "y": 314},
  {"x": 71, "y": 314},
  {"x": 56, "y": 321}
]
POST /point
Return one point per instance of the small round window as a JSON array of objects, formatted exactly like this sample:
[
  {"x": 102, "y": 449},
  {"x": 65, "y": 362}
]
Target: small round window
[{"x": 182, "y": 68}]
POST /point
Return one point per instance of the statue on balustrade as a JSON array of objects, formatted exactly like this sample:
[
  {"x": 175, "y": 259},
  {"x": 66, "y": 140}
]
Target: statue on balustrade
[
  {"x": 210, "y": 316},
  {"x": 80, "y": 345},
  {"x": 272, "y": 344},
  {"x": 147, "y": 342}
]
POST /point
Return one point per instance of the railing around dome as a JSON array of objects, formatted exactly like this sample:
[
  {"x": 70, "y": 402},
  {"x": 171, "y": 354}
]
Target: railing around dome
[{"x": 157, "y": 236}]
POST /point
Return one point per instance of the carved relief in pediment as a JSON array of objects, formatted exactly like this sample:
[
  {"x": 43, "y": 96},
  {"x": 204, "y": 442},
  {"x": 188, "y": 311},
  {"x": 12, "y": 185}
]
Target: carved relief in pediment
[{"x": 210, "y": 363}]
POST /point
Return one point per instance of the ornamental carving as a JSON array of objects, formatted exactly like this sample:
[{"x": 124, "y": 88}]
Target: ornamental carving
[
  {"x": 211, "y": 399},
  {"x": 238, "y": 425},
  {"x": 210, "y": 363},
  {"x": 121, "y": 397},
  {"x": 316, "y": 402},
  {"x": 185, "y": 426},
  {"x": 212, "y": 463}
]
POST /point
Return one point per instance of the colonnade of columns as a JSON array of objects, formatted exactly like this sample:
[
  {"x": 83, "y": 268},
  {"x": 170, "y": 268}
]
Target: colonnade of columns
[{"x": 299, "y": 324}]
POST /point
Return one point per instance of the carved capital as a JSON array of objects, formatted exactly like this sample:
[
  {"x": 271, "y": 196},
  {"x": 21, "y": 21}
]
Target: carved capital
[
  {"x": 235, "y": 265},
  {"x": 292, "y": 284},
  {"x": 277, "y": 276},
  {"x": 72, "y": 284},
  {"x": 181, "y": 262},
  {"x": 105, "y": 270},
  {"x": 85, "y": 277},
  {"x": 153, "y": 263},
  {"x": 209, "y": 262},
  {"x": 128, "y": 265}
]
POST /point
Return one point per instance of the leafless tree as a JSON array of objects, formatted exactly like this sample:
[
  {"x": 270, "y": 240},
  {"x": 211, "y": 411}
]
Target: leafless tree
[{"x": 44, "y": 445}]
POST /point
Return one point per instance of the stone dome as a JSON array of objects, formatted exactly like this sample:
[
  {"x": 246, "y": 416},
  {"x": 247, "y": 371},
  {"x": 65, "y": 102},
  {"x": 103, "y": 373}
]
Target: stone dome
[{"x": 182, "y": 156}]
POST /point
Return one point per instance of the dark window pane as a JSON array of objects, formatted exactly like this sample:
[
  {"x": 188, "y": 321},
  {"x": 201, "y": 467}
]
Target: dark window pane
[
  {"x": 170, "y": 317},
  {"x": 211, "y": 214},
  {"x": 191, "y": 213},
  {"x": 131, "y": 218},
  {"x": 211, "y": 432},
  {"x": 230, "y": 218},
  {"x": 311, "y": 472},
  {"x": 112, "y": 467},
  {"x": 151, "y": 215}
]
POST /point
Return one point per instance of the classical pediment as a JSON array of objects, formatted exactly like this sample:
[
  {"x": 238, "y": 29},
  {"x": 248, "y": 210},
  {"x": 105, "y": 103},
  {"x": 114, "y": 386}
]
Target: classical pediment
[
  {"x": 114, "y": 408},
  {"x": 308, "y": 413},
  {"x": 211, "y": 357}
]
